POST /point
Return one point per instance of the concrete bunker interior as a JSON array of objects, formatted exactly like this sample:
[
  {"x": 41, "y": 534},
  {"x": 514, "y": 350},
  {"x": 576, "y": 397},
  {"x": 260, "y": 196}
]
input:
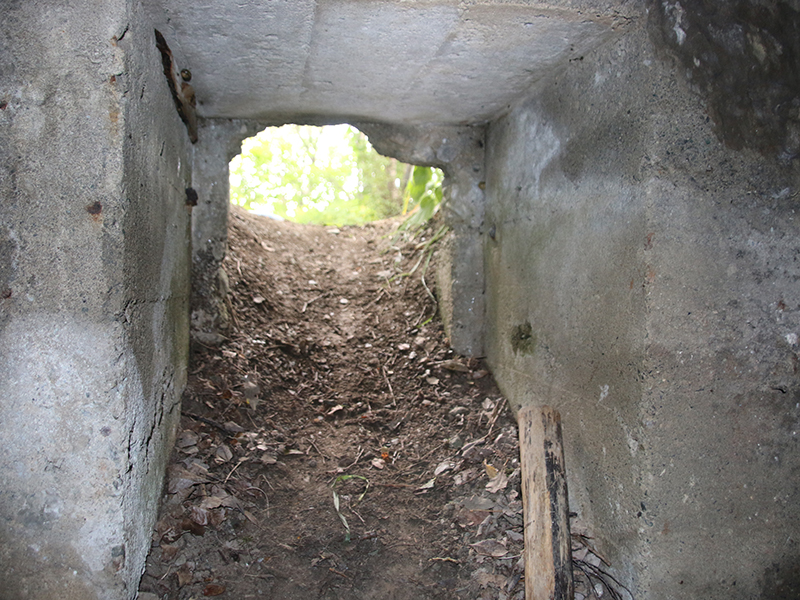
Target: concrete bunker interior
[{"x": 622, "y": 190}]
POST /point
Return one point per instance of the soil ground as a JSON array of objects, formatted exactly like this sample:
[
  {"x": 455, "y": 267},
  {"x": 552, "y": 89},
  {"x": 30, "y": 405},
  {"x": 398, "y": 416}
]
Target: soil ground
[{"x": 335, "y": 386}]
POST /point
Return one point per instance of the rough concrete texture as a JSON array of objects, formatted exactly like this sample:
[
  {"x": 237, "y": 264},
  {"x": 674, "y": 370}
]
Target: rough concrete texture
[
  {"x": 743, "y": 56},
  {"x": 638, "y": 241},
  {"x": 219, "y": 141},
  {"x": 400, "y": 62},
  {"x": 642, "y": 277},
  {"x": 94, "y": 304}
]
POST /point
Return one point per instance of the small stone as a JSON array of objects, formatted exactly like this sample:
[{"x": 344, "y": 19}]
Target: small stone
[
  {"x": 458, "y": 410},
  {"x": 455, "y": 442}
]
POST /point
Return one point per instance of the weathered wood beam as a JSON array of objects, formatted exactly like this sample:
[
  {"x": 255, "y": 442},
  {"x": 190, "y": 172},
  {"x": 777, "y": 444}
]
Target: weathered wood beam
[{"x": 548, "y": 554}]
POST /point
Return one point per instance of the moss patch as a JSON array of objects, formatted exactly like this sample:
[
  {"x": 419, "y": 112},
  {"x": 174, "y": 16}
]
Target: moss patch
[{"x": 523, "y": 340}]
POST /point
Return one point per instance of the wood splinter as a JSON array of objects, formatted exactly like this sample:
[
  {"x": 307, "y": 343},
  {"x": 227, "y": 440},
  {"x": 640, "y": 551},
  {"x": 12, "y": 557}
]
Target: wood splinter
[{"x": 548, "y": 554}]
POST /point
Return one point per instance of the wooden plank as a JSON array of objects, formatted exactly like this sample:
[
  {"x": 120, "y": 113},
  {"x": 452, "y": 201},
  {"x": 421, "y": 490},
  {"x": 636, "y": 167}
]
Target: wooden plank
[{"x": 548, "y": 554}]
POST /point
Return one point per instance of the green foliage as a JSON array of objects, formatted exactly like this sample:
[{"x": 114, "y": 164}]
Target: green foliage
[
  {"x": 325, "y": 176},
  {"x": 424, "y": 192}
]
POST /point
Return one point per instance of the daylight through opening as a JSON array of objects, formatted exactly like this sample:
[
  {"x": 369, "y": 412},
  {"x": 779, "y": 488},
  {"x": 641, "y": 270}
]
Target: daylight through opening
[{"x": 328, "y": 176}]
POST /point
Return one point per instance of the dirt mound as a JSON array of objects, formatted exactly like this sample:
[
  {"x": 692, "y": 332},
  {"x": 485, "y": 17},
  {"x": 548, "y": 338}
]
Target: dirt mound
[{"x": 333, "y": 446}]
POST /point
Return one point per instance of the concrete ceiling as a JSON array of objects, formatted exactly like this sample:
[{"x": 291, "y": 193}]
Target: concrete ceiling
[{"x": 403, "y": 61}]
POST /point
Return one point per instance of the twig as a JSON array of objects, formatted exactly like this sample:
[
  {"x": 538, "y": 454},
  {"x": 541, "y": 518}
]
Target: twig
[
  {"x": 231, "y": 311},
  {"x": 352, "y": 464},
  {"x": 263, "y": 492},
  {"x": 252, "y": 487},
  {"x": 492, "y": 420},
  {"x": 317, "y": 449},
  {"x": 305, "y": 306},
  {"x": 358, "y": 457},
  {"x": 444, "y": 559},
  {"x": 376, "y": 298},
  {"x": 495, "y": 415},
  {"x": 386, "y": 379},
  {"x": 339, "y": 573},
  {"x": 352, "y": 510},
  {"x": 241, "y": 460},
  {"x": 206, "y": 421}
]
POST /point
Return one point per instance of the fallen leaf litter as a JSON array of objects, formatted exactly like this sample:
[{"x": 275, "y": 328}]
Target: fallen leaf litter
[{"x": 332, "y": 446}]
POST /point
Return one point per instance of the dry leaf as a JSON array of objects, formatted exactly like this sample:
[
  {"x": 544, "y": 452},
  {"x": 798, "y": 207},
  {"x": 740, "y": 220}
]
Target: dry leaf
[
  {"x": 252, "y": 393},
  {"x": 187, "y": 438},
  {"x": 464, "y": 477},
  {"x": 497, "y": 483},
  {"x": 232, "y": 427},
  {"x": 223, "y": 453},
  {"x": 432, "y": 380},
  {"x": 184, "y": 574},
  {"x": 231, "y": 502},
  {"x": 169, "y": 552},
  {"x": 212, "y": 589},
  {"x": 216, "y": 517},
  {"x": 485, "y": 579},
  {"x": 454, "y": 365},
  {"x": 517, "y": 537},
  {"x": 491, "y": 471},
  {"x": 471, "y": 518},
  {"x": 194, "y": 528},
  {"x": 198, "y": 515},
  {"x": 445, "y": 465},
  {"x": 210, "y": 502},
  {"x": 491, "y": 548},
  {"x": 428, "y": 485},
  {"x": 479, "y": 503},
  {"x": 180, "y": 479}
]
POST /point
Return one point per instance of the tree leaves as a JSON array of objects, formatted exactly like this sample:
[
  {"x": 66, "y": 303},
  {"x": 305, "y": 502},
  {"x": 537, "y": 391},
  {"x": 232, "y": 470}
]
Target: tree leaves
[
  {"x": 324, "y": 176},
  {"x": 424, "y": 190}
]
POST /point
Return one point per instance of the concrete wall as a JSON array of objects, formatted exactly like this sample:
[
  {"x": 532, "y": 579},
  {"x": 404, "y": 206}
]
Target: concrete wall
[
  {"x": 638, "y": 248},
  {"x": 643, "y": 277},
  {"x": 94, "y": 238},
  {"x": 460, "y": 152},
  {"x": 219, "y": 141}
]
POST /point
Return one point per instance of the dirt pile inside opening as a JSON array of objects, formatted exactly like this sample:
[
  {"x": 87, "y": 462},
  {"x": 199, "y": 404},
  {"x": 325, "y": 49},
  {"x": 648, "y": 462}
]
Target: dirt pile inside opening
[{"x": 333, "y": 446}]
